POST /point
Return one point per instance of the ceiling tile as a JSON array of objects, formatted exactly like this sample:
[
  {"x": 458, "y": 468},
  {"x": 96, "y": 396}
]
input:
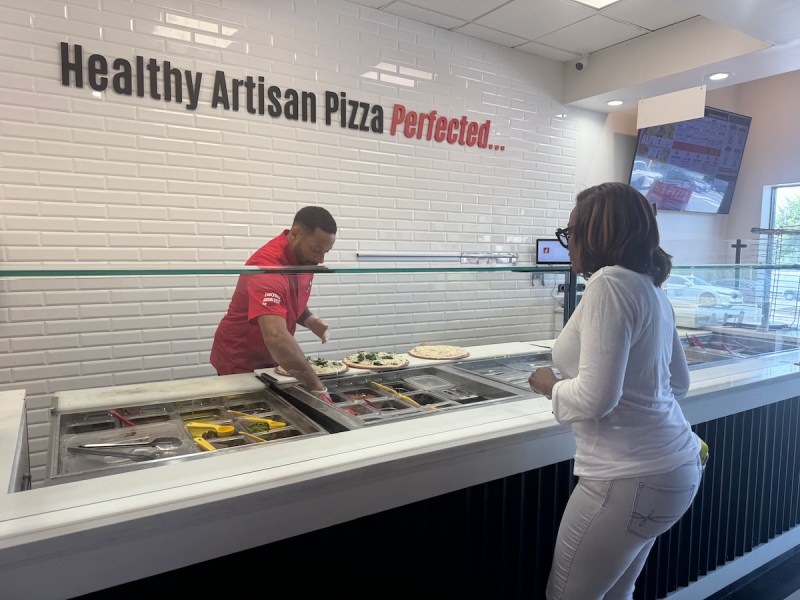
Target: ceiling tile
[
  {"x": 490, "y": 35},
  {"x": 547, "y": 52},
  {"x": 532, "y": 19},
  {"x": 461, "y": 9},
  {"x": 415, "y": 13},
  {"x": 648, "y": 14},
  {"x": 592, "y": 34}
]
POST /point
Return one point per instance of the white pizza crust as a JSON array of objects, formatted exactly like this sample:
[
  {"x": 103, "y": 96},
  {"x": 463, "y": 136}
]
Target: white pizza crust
[
  {"x": 321, "y": 367},
  {"x": 434, "y": 352},
  {"x": 375, "y": 361}
]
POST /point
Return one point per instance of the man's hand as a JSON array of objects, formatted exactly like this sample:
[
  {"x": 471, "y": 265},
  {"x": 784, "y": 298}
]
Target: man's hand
[
  {"x": 322, "y": 395},
  {"x": 318, "y": 327}
]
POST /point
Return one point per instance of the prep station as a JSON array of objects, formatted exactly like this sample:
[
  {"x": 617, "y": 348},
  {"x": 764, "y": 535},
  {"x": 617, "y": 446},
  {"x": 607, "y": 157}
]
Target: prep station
[
  {"x": 268, "y": 462},
  {"x": 111, "y": 430}
]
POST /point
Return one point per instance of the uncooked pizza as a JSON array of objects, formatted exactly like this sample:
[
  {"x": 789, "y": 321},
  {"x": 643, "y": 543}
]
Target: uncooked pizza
[
  {"x": 433, "y": 352},
  {"x": 321, "y": 367},
  {"x": 375, "y": 360}
]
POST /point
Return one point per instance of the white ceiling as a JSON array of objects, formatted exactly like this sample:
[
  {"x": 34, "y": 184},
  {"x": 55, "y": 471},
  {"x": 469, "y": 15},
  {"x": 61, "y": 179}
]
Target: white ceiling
[{"x": 566, "y": 30}]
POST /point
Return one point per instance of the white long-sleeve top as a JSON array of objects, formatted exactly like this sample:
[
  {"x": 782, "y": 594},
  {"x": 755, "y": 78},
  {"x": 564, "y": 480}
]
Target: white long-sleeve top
[{"x": 624, "y": 371}]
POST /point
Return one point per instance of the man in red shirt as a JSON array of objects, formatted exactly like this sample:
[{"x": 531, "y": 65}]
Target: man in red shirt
[{"x": 258, "y": 330}]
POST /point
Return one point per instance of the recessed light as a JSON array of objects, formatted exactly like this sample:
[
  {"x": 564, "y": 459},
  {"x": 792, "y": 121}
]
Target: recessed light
[
  {"x": 598, "y": 4},
  {"x": 718, "y": 76},
  {"x": 614, "y": 102}
]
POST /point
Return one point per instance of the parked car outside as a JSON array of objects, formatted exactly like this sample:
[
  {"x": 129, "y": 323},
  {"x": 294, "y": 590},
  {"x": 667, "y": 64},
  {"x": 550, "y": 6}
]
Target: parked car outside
[
  {"x": 751, "y": 290},
  {"x": 700, "y": 292},
  {"x": 686, "y": 180},
  {"x": 642, "y": 177}
]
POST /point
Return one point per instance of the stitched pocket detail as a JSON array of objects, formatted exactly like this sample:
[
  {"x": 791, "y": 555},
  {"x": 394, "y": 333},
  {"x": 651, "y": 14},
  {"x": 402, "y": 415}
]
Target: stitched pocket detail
[{"x": 656, "y": 509}]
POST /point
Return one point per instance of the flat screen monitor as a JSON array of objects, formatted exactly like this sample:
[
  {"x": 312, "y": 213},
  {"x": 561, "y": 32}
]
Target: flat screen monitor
[
  {"x": 691, "y": 165},
  {"x": 551, "y": 252}
]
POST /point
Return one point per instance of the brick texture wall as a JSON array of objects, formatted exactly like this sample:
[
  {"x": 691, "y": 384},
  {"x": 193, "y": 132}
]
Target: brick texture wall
[{"x": 98, "y": 179}]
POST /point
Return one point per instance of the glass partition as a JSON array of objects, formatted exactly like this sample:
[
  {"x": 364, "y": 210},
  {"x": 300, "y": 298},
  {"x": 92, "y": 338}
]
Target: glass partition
[{"x": 81, "y": 329}]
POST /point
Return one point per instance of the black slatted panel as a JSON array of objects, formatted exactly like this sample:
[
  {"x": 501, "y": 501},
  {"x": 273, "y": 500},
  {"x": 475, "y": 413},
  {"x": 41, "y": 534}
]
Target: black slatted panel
[
  {"x": 750, "y": 494},
  {"x": 495, "y": 540}
]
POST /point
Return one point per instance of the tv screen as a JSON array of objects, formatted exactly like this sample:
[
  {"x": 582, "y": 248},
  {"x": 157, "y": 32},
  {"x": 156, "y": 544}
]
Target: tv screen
[
  {"x": 551, "y": 252},
  {"x": 691, "y": 165}
]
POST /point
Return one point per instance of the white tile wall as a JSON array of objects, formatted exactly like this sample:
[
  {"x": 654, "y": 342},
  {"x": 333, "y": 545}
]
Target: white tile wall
[{"x": 112, "y": 180}]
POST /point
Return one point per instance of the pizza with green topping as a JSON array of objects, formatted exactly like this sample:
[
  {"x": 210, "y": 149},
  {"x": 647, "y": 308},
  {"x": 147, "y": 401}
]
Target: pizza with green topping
[
  {"x": 376, "y": 361},
  {"x": 321, "y": 367}
]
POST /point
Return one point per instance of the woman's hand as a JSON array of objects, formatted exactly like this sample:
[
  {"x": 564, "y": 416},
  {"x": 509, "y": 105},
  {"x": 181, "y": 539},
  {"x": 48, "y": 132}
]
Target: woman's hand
[{"x": 542, "y": 381}]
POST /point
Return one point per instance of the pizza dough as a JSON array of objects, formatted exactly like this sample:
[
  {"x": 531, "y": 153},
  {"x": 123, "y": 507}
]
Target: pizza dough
[
  {"x": 321, "y": 367},
  {"x": 439, "y": 352},
  {"x": 375, "y": 361}
]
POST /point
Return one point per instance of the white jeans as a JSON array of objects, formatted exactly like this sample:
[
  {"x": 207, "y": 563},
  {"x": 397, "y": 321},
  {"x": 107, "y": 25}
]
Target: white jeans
[{"x": 609, "y": 527}]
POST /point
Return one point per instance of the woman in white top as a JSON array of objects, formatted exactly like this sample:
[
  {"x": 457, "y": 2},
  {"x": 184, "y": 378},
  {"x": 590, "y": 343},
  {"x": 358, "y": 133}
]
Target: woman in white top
[{"x": 623, "y": 372}]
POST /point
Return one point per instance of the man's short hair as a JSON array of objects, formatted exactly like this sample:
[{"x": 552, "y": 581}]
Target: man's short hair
[{"x": 312, "y": 217}]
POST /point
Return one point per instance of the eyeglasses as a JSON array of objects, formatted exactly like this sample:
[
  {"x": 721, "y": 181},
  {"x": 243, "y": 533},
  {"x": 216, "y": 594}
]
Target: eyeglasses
[{"x": 563, "y": 236}]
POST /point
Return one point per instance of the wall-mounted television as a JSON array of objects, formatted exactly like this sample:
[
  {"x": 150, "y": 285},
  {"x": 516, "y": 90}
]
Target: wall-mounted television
[{"x": 691, "y": 165}]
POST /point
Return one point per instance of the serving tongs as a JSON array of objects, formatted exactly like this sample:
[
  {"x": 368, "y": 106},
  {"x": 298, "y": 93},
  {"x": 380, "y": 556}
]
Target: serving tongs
[
  {"x": 135, "y": 454},
  {"x": 380, "y": 386},
  {"x": 251, "y": 419}
]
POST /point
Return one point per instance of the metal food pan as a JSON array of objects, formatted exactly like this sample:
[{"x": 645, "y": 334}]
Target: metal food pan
[
  {"x": 88, "y": 422},
  {"x": 147, "y": 414},
  {"x": 205, "y": 414},
  {"x": 360, "y": 393},
  {"x": 426, "y": 398},
  {"x": 71, "y": 464},
  {"x": 249, "y": 406},
  {"x": 282, "y": 433},
  {"x": 233, "y": 441},
  {"x": 98, "y": 426},
  {"x": 426, "y": 382},
  {"x": 508, "y": 370},
  {"x": 391, "y": 405}
]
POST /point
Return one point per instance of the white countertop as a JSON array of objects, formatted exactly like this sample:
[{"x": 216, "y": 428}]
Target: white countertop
[
  {"x": 487, "y": 351},
  {"x": 104, "y": 531}
]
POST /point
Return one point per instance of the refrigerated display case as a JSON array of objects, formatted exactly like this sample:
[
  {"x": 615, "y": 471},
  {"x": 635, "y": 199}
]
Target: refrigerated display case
[
  {"x": 102, "y": 441},
  {"x": 378, "y": 398}
]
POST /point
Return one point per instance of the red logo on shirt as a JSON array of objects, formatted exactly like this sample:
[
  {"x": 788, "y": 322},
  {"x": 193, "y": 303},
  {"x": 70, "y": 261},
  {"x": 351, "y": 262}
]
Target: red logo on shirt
[{"x": 270, "y": 298}]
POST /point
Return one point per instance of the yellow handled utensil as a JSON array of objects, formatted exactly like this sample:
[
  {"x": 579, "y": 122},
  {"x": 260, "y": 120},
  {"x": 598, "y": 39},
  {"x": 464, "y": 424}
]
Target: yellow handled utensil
[
  {"x": 396, "y": 393},
  {"x": 198, "y": 428},
  {"x": 245, "y": 417},
  {"x": 203, "y": 443},
  {"x": 251, "y": 437}
]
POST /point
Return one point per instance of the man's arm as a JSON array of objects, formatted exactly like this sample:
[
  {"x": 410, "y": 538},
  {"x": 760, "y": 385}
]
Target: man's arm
[
  {"x": 314, "y": 324},
  {"x": 286, "y": 351}
]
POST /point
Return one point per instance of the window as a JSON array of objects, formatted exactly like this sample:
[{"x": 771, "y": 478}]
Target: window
[{"x": 785, "y": 214}]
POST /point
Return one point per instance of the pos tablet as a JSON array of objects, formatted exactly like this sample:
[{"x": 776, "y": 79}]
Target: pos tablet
[{"x": 551, "y": 252}]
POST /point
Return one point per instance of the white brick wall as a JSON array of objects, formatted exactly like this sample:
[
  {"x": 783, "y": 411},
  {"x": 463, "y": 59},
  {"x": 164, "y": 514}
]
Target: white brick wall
[{"x": 116, "y": 180}]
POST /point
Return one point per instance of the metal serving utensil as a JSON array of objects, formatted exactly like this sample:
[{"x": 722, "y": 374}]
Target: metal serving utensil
[
  {"x": 159, "y": 443},
  {"x": 135, "y": 455}
]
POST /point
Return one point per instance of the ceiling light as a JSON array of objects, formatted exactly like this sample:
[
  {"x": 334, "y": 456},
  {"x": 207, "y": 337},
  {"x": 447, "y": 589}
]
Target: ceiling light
[
  {"x": 561, "y": 116},
  {"x": 718, "y": 76},
  {"x": 598, "y": 4},
  {"x": 614, "y": 102}
]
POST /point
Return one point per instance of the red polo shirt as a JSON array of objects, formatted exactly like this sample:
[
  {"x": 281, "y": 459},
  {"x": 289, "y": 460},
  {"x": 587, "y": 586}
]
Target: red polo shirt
[{"x": 238, "y": 344}]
